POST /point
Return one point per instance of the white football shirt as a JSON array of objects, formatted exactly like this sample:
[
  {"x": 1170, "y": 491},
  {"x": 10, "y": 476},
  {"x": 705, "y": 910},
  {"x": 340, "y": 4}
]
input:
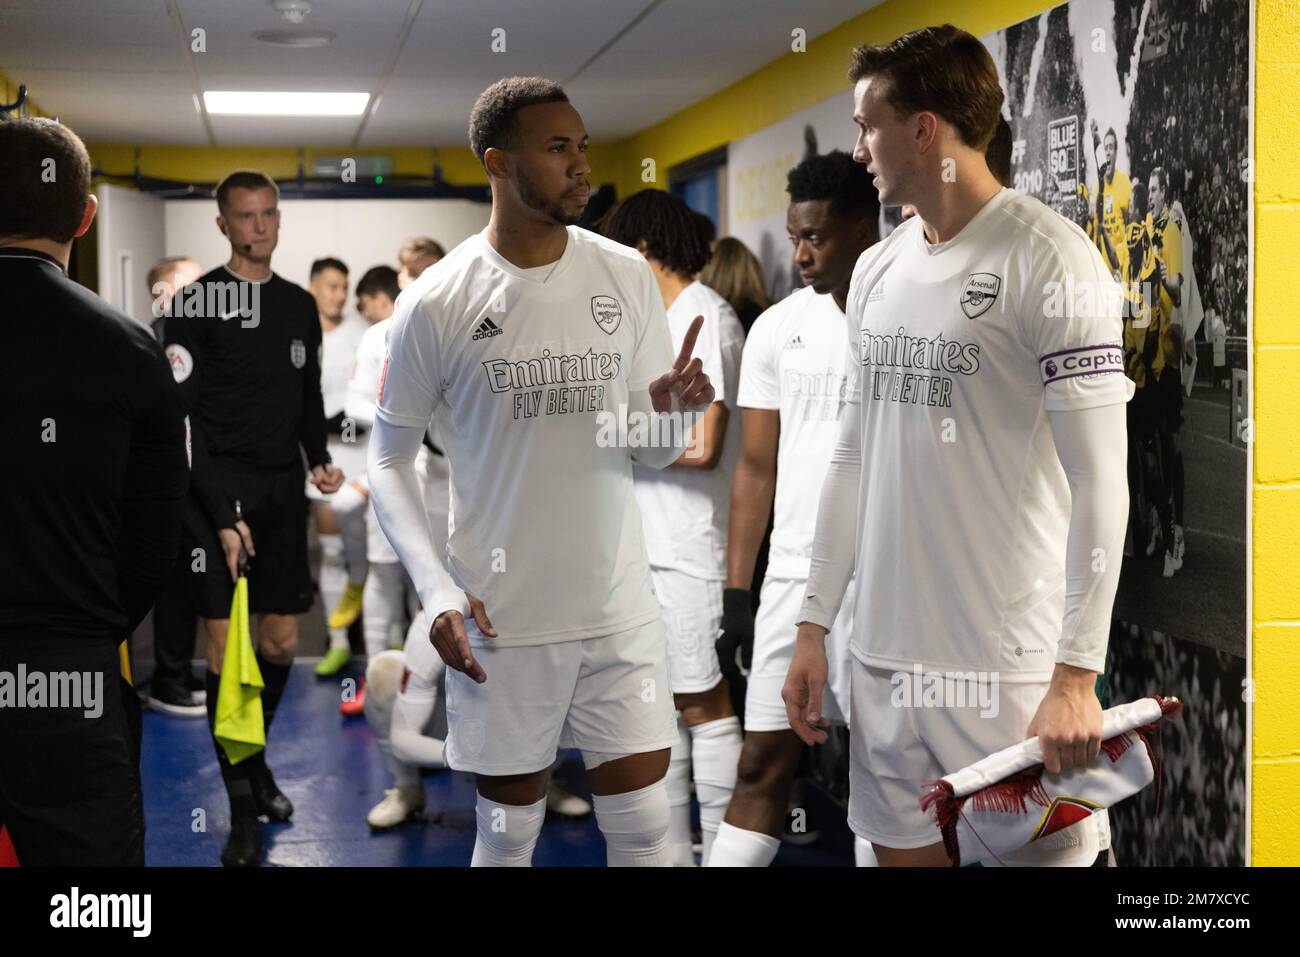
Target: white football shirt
[
  {"x": 686, "y": 510},
  {"x": 961, "y": 349},
  {"x": 794, "y": 363},
  {"x": 431, "y": 468},
  {"x": 547, "y": 531},
  {"x": 338, "y": 355}
]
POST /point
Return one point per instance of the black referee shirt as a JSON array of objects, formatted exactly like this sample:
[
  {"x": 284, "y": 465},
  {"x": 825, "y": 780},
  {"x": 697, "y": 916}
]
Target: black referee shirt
[
  {"x": 247, "y": 357},
  {"x": 93, "y": 472}
]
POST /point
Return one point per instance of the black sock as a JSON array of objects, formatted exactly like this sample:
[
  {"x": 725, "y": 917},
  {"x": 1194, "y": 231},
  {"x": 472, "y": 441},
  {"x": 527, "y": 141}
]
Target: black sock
[
  {"x": 235, "y": 776},
  {"x": 274, "y": 678}
]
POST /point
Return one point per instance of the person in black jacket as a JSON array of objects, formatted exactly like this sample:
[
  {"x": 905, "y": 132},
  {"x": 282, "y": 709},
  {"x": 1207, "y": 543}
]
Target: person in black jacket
[
  {"x": 90, "y": 517},
  {"x": 245, "y": 346}
]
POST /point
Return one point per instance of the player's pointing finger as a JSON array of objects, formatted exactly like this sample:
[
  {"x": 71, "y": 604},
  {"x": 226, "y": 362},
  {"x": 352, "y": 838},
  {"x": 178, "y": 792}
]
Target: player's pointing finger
[{"x": 688, "y": 344}]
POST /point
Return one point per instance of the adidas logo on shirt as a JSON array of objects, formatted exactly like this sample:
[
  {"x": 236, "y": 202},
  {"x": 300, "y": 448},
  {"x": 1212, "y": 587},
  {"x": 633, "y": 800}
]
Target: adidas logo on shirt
[
  {"x": 795, "y": 343},
  {"x": 487, "y": 329}
]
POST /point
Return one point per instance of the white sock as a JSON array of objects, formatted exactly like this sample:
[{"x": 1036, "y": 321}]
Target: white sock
[
  {"x": 350, "y": 512},
  {"x": 678, "y": 784},
  {"x": 864, "y": 855},
  {"x": 507, "y": 833},
  {"x": 383, "y": 676},
  {"x": 635, "y": 826},
  {"x": 385, "y": 604},
  {"x": 333, "y": 580},
  {"x": 736, "y": 847},
  {"x": 411, "y": 715},
  {"x": 715, "y": 752}
]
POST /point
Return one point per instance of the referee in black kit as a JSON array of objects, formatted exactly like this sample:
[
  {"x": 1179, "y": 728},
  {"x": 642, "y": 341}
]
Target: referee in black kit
[
  {"x": 91, "y": 493},
  {"x": 244, "y": 344}
]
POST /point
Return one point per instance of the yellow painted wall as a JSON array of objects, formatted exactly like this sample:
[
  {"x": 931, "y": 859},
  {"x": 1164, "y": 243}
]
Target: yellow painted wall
[
  {"x": 1276, "y": 495},
  {"x": 9, "y": 93}
]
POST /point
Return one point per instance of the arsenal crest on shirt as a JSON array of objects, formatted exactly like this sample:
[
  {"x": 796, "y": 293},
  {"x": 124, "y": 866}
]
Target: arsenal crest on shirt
[
  {"x": 607, "y": 312},
  {"x": 978, "y": 294},
  {"x": 298, "y": 353}
]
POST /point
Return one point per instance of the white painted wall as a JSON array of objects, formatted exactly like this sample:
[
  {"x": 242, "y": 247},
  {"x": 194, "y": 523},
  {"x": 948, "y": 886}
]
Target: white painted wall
[
  {"x": 130, "y": 235},
  {"x": 361, "y": 232}
]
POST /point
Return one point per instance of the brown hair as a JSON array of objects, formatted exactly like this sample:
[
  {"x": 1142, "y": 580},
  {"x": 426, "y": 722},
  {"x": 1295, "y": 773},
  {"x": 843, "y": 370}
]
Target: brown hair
[
  {"x": 243, "y": 179},
  {"x": 44, "y": 180},
  {"x": 166, "y": 269},
  {"x": 421, "y": 247},
  {"x": 735, "y": 274},
  {"x": 998, "y": 153},
  {"x": 941, "y": 70}
]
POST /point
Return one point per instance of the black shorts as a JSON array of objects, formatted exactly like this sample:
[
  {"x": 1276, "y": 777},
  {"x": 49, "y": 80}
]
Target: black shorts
[
  {"x": 275, "y": 510},
  {"x": 1144, "y": 411},
  {"x": 1171, "y": 400}
]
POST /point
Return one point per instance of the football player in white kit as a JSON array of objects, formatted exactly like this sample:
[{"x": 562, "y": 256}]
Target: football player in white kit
[
  {"x": 341, "y": 534},
  {"x": 548, "y": 349},
  {"x": 792, "y": 396},
  {"x": 979, "y": 479},
  {"x": 389, "y": 596},
  {"x": 417, "y": 255},
  {"x": 686, "y": 507}
]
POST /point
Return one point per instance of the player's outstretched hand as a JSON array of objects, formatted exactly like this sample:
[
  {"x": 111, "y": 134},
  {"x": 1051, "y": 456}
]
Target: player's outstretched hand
[
  {"x": 327, "y": 478},
  {"x": 452, "y": 643},
  {"x": 804, "y": 684},
  {"x": 686, "y": 379},
  {"x": 1068, "y": 720}
]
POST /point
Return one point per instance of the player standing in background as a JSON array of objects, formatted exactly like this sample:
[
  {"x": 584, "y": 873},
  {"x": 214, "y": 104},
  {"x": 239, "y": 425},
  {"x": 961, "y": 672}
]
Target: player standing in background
[
  {"x": 340, "y": 518},
  {"x": 1143, "y": 359},
  {"x": 389, "y": 596},
  {"x": 686, "y": 508},
  {"x": 978, "y": 486},
  {"x": 1167, "y": 241},
  {"x": 531, "y": 337},
  {"x": 792, "y": 395},
  {"x": 415, "y": 256},
  {"x": 174, "y": 689},
  {"x": 1109, "y": 214}
]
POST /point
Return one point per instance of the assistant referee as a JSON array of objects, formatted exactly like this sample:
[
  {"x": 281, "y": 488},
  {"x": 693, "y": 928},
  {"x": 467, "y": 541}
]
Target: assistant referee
[
  {"x": 90, "y": 517},
  {"x": 245, "y": 344}
]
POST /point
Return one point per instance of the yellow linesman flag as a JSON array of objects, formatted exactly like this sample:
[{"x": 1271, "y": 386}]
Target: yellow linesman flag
[{"x": 239, "y": 727}]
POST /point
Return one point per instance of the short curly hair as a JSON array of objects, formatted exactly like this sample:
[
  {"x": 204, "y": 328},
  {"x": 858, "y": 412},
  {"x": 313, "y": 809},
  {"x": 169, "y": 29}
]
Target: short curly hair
[
  {"x": 665, "y": 224},
  {"x": 493, "y": 123},
  {"x": 33, "y": 203},
  {"x": 835, "y": 177}
]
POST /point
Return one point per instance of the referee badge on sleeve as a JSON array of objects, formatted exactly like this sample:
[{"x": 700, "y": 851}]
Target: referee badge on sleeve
[
  {"x": 181, "y": 361},
  {"x": 298, "y": 353}
]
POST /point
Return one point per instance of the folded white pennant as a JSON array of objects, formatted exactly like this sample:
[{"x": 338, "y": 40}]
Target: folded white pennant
[{"x": 1007, "y": 801}]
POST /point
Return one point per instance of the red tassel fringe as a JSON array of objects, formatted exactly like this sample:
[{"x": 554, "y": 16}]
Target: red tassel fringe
[
  {"x": 1011, "y": 795},
  {"x": 1117, "y": 746}
]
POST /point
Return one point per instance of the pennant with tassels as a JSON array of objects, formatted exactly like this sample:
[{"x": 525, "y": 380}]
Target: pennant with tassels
[{"x": 1007, "y": 801}]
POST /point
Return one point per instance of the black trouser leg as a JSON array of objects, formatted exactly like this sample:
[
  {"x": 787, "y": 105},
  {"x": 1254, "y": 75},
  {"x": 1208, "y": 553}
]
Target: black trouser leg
[
  {"x": 174, "y": 625},
  {"x": 69, "y": 771}
]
